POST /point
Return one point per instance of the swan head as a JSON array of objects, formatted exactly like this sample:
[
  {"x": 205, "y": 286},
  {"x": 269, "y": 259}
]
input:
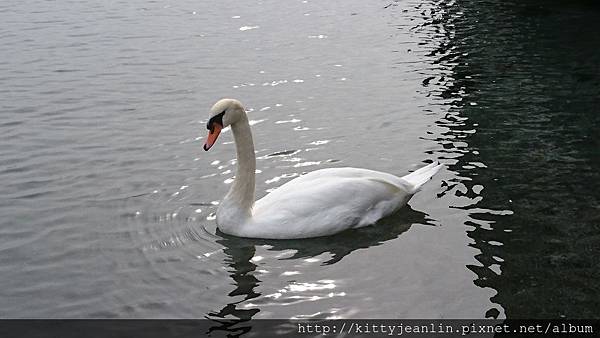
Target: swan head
[{"x": 222, "y": 114}]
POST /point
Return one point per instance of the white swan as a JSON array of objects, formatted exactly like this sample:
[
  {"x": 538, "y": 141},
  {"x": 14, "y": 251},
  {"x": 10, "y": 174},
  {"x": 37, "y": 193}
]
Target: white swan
[{"x": 320, "y": 203}]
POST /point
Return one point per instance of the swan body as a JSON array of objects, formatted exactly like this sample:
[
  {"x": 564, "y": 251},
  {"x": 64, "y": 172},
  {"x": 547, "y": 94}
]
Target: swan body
[{"x": 320, "y": 203}]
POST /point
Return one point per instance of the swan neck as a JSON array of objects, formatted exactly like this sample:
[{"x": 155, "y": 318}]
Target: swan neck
[{"x": 241, "y": 193}]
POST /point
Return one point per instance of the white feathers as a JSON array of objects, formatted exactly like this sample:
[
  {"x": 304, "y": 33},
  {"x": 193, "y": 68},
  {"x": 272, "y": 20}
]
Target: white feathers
[
  {"x": 320, "y": 203},
  {"x": 420, "y": 176}
]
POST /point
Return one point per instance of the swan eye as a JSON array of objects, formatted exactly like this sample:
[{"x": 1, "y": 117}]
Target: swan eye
[{"x": 215, "y": 119}]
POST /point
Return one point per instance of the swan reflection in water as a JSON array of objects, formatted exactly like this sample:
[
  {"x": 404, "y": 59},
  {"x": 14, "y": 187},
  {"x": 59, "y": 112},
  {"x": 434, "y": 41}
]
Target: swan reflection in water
[{"x": 234, "y": 316}]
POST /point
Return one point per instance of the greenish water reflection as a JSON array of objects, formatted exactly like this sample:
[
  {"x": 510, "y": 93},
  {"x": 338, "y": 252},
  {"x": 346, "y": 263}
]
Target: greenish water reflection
[{"x": 526, "y": 76}]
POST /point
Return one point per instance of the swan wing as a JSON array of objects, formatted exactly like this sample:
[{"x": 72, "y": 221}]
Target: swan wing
[{"x": 327, "y": 201}]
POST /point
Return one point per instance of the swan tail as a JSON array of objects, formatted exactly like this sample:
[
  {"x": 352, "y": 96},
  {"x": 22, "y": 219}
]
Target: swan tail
[{"x": 417, "y": 178}]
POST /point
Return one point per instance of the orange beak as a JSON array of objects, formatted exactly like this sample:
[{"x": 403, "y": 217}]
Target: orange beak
[{"x": 212, "y": 135}]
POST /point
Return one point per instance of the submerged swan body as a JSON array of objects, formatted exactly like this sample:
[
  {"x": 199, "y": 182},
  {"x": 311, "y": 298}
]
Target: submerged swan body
[{"x": 320, "y": 203}]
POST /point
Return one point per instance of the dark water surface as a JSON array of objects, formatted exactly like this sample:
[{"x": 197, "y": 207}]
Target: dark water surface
[
  {"x": 535, "y": 76},
  {"x": 107, "y": 200}
]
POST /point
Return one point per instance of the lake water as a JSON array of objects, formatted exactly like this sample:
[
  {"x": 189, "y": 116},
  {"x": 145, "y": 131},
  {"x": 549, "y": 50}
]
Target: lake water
[{"x": 107, "y": 199}]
